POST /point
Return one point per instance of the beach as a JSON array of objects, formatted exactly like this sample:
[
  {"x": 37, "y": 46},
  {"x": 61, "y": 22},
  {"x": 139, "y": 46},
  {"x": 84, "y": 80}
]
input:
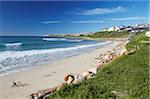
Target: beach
[{"x": 49, "y": 75}]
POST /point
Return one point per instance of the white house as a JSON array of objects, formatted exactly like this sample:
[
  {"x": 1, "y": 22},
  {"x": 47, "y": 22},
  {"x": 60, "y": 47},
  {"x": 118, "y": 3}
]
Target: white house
[
  {"x": 116, "y": 29},
  {"x": 105, "y": 29},
  {"x": 147, "y": 34},
  {"x": 111, "y": 29}
]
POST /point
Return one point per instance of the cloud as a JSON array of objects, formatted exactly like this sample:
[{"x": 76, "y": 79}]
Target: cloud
[
  {"x": 100, "y": 11},
  {"x": 50, "y": 22},
  {"x": 88, "y": 21},
  {"x": 127, "y": 18}
]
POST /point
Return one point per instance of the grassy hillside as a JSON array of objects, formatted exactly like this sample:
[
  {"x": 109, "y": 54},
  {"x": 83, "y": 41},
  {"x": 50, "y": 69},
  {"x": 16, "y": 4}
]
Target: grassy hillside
[
  {"x": 137, "y": 41},
  {"x": 113, "y": 34},
  {"x": 127, "y": 75}
]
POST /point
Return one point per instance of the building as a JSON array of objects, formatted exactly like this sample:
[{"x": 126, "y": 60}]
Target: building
[{"x": 147, "y": 34}]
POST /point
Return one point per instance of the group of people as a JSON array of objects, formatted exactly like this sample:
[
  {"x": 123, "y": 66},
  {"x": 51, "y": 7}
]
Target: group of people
[
  {"x": 41, "y": 93},
  {"x": 110, "y": 55},
  {"x": 68, "y": 79},
  {"x": 77, "y": 78}
]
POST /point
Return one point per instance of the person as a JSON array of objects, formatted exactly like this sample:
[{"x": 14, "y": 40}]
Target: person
[
  {"x": 106, "y": 58},
  {"x": 69, "y": 79}
]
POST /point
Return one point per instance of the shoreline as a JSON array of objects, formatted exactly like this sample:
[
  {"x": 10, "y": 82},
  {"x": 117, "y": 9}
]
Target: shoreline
[
  {"x": 50, "y": 75},
  {"x": 45, "y": 56},
  {"x": 81, "y": 49}
]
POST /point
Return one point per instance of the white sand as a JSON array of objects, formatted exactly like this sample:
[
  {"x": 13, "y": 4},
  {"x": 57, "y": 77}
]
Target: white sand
[{"x": 49, "y": 75}]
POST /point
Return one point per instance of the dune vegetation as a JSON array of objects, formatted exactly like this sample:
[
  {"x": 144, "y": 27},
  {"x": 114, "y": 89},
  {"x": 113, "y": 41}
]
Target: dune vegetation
[
  {"x": 126, "y": 77},
  {"x": 113, "y": 34}
]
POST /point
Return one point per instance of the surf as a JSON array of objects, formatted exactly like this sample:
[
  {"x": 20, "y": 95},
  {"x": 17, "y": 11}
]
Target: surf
[
  {"x": 62, "y": 39},
  {"x": 12, "y": 61}
]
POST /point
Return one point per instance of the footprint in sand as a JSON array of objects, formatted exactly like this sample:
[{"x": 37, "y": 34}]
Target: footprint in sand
[
  {"x": 53, "y": 72},
  {"x": 48, "y": 75}
]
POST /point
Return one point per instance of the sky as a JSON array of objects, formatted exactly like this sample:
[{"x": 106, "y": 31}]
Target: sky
[{"x": 36, "y": 18}]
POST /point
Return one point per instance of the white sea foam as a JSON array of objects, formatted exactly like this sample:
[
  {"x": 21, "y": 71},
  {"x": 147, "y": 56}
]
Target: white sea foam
[
  {"x": 17, "y": 60},
  {"x": 62, "y": 39},
  {"x": 12, "y": 44}
]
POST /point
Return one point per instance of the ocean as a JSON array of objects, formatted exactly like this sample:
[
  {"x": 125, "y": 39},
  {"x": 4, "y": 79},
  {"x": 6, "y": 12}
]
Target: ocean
[{"x": 19, "y": 53}]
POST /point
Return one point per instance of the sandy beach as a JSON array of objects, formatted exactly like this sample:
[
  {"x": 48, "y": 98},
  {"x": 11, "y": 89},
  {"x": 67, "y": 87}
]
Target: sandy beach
[{"x": 49, "y": 75}]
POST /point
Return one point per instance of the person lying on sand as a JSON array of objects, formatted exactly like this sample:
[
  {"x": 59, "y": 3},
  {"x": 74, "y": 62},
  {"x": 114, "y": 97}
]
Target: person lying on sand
[
  {"x": 80, "y": 77},
  {"x": 69, "y": 79},
  {"x": 107, "y": 58}
]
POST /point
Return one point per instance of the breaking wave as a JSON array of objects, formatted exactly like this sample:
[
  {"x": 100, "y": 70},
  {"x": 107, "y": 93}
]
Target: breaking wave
[
  {"x": 62, "y": 39},
  {"x": 12, "y": 44},
  {"x": 12, "y": 61}
]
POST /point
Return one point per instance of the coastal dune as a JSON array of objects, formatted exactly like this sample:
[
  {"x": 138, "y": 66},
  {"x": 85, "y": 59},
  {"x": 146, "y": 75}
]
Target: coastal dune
[{"x": 49, "y": 75}]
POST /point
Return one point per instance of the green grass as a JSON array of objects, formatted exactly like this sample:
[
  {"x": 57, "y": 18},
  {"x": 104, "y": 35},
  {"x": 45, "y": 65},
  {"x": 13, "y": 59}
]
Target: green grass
[
  {"x": 129, "y": 74},
  {"x": 137, "y": 40},
  {"x": 113, "y": 34}
]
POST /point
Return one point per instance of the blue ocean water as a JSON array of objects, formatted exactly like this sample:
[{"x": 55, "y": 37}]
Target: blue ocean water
[
  {"x": 18, "y": 53},
  {"x": 20, "y": 43}
]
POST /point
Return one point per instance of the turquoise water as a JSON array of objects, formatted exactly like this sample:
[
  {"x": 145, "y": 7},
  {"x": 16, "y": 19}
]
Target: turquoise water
[
  {"x": 20, "y": 43},
  {"x": 18, "y": 53}
]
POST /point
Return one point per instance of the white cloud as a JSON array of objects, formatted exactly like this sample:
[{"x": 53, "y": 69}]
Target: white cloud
[
  {"x": 88, "y": 21},
  {"x": 50, "y": 22},
  {"x": 127, "y": 18},
  {"x": 100, "y": 11}
]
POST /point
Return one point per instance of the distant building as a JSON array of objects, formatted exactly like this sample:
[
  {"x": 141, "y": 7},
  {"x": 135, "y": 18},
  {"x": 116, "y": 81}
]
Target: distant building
[
  {"x": 105, "y": 29},
  {"x": 111, "y": 29},
  {"x": 116, "y": 29},
  {"x": 129, "y": 28},
  {"x": 147, "y": 34}
]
